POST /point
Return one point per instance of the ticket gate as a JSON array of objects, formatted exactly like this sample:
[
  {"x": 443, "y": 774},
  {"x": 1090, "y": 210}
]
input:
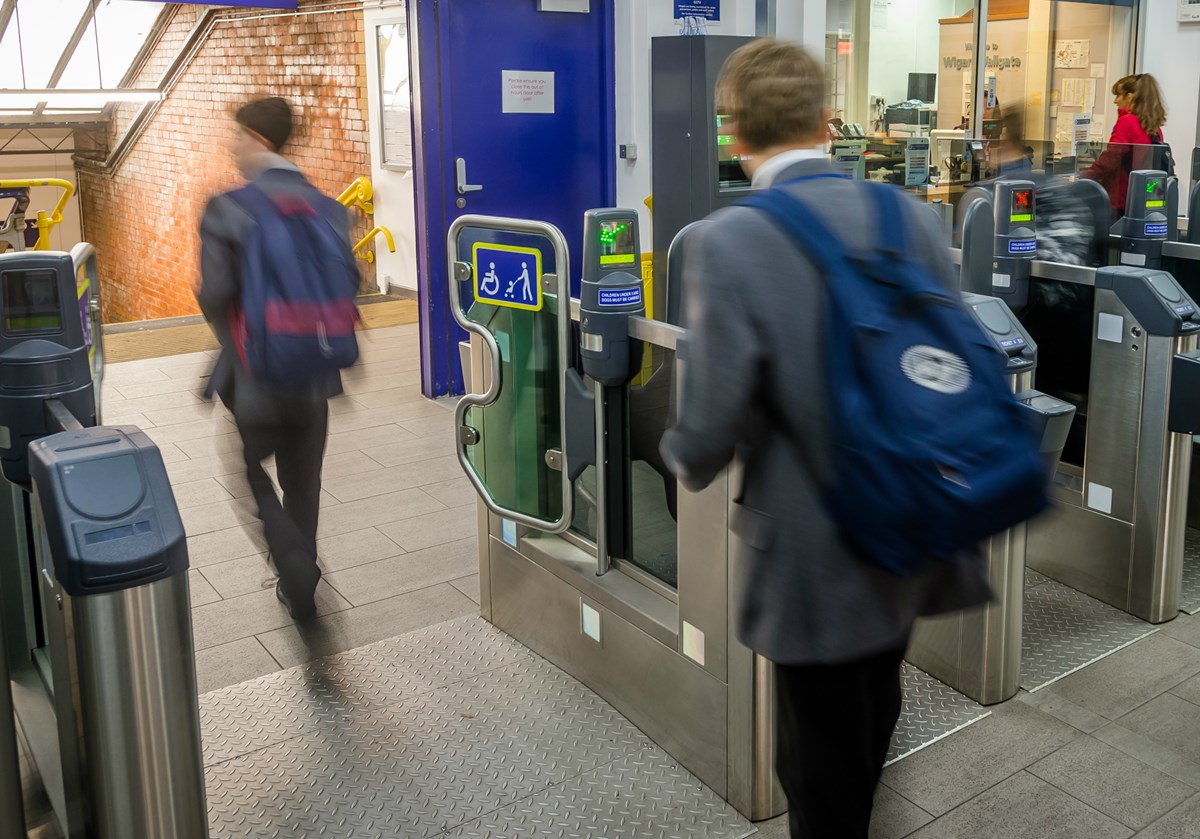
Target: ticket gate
[
  {"x": 978, "y": 651},
  {"x": 1121, "y": 490},
  {"x": 94, "y": 607},
  {"x": 589, "y": 553}
]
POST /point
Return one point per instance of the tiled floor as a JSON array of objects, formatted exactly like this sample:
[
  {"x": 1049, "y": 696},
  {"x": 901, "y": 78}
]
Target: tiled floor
[
  {"x": 397, "y": 531},
  {"x": 1110, "y": 751}
]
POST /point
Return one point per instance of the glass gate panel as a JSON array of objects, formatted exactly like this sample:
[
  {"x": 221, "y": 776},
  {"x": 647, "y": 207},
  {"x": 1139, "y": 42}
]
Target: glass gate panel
[{"x": 510, "y": 434}]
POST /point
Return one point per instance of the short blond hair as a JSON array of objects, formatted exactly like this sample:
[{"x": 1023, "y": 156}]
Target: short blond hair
[{"x": 775, "y": 91}]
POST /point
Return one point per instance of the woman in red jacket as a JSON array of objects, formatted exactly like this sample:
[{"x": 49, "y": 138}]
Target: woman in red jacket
[{"x": 1140, "y": 118}]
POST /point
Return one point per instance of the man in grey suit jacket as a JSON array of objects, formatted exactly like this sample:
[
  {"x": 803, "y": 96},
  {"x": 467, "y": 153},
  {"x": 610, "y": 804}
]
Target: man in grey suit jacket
[
  {"x": 292, "y": 424},
  {"x": 754, "y": 386}
]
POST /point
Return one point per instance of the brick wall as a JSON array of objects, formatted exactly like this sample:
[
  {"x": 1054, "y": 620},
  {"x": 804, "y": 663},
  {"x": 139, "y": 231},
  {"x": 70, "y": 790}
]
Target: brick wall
[{"x": 143, "y": 218}]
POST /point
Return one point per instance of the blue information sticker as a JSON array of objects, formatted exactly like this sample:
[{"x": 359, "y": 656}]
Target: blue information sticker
[
  {"x": 1156, "y": 228},
  {"x": 1013, "y": 342},
  {"x": 1184, "y": 310},
  {"x": 507, "y": 275},
  {"x": 613, "y": 297},
  {"x": 1022, "y": 246},
  {"x": 710, "y": 10}
]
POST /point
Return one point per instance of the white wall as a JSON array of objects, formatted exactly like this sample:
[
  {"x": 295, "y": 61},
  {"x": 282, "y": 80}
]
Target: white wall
[
  {"x": 904, "y": 39},
  {"x": 36, "y": 166},
  {"x": 395, "y": 203},
  {"x": 1171, "y": 52},
  {"x": 637, "y": 21}
]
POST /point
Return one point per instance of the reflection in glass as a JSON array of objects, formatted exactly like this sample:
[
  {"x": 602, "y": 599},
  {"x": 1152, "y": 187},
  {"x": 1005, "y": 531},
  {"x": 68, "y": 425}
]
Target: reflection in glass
[{"x": 395, "y": 95}]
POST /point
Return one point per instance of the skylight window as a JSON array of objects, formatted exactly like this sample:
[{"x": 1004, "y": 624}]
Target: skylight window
[{"x": 82, "y": 47}]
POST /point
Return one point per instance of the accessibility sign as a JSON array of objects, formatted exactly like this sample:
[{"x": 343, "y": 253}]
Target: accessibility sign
[{"x": 507, "y": 275}]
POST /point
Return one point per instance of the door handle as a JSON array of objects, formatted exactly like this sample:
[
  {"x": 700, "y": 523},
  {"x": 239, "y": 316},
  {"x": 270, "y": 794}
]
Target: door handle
[{"x": 460, "y": 178}]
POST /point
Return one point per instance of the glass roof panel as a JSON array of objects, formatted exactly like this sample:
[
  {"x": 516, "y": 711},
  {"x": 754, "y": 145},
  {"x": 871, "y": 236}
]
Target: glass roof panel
[
  {"x": 45, "y": 27},
  {"x": 39, "y": 32},
  {"x": 83, "y": 70},
  {"x": 10, "y": 59},
  {"x": 123, "y": 26}
]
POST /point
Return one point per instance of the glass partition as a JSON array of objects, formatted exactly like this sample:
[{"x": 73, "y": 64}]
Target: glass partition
[
  {"x": 653, "y": 547},
  {"x": 907, "y": 69}
]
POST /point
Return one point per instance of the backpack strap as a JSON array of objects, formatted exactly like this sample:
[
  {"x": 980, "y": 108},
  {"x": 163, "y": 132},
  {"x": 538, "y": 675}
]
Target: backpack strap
[
  {"x": 824, "y": 249},
  {"x": 252, "y": 199},
  {"x": 890, "y": 215}
]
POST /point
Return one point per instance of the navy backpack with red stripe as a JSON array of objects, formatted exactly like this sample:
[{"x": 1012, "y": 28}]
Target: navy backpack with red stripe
[{"x": 298, "y": 313}]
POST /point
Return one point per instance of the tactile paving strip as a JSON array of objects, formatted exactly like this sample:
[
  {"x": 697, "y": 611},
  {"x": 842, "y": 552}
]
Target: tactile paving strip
[
  {"x": 931, "y": 712},
  {"x": 1065, "y": 630},
  {"x": 1189, "y": 596},
  {"x": 456, "y": 728}
]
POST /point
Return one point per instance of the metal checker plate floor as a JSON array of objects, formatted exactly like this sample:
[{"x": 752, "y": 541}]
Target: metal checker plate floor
[
  {"x": 931, "y": 712},
  {"x": 1066, "y": 630},
  {"x": 455, "y": 730},
  {"x": 1189, "y": 596}
]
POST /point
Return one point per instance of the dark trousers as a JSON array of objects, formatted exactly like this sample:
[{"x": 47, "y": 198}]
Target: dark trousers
[
  {"x": 290, "y": 526},
  {"x": 834, "y": 726}
]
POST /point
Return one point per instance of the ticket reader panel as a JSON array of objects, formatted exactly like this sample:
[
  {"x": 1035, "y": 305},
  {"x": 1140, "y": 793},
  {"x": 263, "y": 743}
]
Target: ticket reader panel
[
  {"x": 43, "y": 353},
  {"x": 611, "y": 292},
  {"x": 1015, "y": 242},
  {"x": 1146, "y": 225},
  {"x": 108, "y": 509}
]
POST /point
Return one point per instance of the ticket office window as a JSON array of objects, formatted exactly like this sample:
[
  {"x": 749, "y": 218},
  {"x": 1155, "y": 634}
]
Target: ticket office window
[{"x": 905, "y": 68}]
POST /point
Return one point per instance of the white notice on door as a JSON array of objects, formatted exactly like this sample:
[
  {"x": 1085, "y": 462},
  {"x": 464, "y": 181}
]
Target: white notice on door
[{"x": 527, "y": 92}]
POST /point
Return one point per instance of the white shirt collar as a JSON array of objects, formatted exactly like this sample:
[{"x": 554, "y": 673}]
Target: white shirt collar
[{"x": 775, "y": 166}]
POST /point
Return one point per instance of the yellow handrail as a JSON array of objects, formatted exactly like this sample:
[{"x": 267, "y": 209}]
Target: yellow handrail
[
  {"x": 369, "y": 256},
  {"x": 45, "y": 223},
  {"x": 359, "y": 194}
]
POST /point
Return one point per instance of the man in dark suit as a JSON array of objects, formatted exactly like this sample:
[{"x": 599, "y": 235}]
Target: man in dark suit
[
  {"x": 754, "y": 386},
  {"x": 291, "y": 424}
]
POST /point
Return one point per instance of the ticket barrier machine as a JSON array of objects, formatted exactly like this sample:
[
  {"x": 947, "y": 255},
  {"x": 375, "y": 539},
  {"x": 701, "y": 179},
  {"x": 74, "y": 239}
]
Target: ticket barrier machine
[
  {"x": 96, "y": 623},
  {"x": 590, "y": 554},
  {"x": 978, "y": 651},
  {"x": 1118, "y": 527}
]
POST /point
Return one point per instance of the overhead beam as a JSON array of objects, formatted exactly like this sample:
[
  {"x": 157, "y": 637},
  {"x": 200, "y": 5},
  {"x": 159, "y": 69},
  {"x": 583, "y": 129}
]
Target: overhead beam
[{"x": 7, "y": 7}]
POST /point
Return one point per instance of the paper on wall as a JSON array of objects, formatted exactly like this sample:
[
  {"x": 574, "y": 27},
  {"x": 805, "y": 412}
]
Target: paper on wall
[
  {"x": 1072, "y": 55},
  {"x": 1078, "y": 93}
]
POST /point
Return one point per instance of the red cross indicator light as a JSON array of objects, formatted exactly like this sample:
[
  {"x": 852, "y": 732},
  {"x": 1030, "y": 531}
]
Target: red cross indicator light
[{"x": 1022, "y": 206}]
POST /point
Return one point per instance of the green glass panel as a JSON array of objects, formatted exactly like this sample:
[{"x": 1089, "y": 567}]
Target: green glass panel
[{"x": 523, "y": 424}]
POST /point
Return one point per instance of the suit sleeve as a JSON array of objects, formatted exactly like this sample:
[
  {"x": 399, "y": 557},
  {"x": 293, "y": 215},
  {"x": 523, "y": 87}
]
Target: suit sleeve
[
  {"x": 218, "y": 269},
  {"x": 722, "y": 368}
]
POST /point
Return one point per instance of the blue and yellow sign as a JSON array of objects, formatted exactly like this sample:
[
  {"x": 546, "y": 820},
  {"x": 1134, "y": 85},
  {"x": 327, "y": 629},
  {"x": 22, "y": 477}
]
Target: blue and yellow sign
[{"x": 507, "y": 275}]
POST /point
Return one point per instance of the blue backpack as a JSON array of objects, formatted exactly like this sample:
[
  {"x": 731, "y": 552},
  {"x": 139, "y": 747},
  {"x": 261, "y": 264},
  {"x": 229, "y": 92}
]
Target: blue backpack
[
  {"x": 297, "y": 313},
  {"x": 932, "y": 453}
]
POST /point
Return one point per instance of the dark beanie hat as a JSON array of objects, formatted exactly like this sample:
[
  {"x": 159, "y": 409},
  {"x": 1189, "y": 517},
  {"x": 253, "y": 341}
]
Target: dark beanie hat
[{"x": 270, "y": 118}]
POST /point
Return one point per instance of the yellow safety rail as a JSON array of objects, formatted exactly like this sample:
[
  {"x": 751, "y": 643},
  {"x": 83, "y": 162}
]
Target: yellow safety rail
[
  {"x": 45, "y": 223},
  {"x": 369, "y": 256},
  {"x": 359, "y": 194}
]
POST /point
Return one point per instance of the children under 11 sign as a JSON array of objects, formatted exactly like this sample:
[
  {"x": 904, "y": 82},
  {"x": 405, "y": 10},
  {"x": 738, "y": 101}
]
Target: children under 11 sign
[{"x": 507, "y": 275}]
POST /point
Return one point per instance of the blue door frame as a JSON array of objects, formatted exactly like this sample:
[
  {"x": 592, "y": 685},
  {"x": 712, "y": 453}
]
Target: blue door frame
[{"x": 428, "y": 22}]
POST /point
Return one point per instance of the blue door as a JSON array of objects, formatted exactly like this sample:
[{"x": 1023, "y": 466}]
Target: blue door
[{"x": 513, "y": 117}]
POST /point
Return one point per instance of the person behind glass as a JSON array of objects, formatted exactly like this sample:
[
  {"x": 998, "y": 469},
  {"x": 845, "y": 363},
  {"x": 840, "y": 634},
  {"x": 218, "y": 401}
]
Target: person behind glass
[
  {"x": 289, "y": 424},
  {"x": 835, "y": 625},
  {"x": 1141, "y": 116}
]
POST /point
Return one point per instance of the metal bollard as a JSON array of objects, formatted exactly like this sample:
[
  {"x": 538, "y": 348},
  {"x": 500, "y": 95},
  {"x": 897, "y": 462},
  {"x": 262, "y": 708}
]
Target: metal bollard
[{"x": 118, "y": 559}]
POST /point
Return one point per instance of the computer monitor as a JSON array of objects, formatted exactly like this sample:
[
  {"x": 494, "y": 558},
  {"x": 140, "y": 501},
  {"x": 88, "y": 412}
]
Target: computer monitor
[{"x": 922, "y": 87}]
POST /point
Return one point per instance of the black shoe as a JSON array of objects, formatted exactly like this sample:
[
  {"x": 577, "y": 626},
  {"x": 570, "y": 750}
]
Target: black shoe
[{"x": 299, "y": 615}]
